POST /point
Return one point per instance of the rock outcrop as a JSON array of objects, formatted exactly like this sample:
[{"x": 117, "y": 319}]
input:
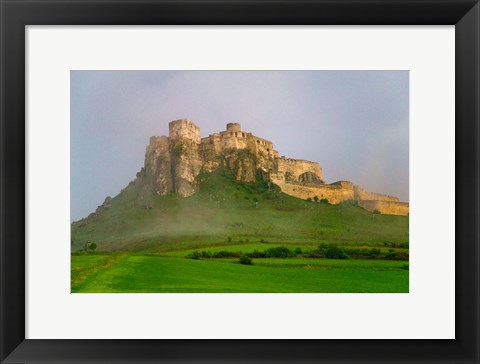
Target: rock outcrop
[{"x": 173, "y": 163}]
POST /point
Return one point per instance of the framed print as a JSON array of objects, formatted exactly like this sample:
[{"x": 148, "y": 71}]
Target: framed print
[{"x": 257, "y": 181}]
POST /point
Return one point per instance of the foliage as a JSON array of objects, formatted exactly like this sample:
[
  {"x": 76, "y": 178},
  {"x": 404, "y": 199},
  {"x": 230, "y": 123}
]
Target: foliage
[
  {"x": 279, "y": 252},
  {"x": 334, "y": 252},
  {"x": 245, "y": 260}
]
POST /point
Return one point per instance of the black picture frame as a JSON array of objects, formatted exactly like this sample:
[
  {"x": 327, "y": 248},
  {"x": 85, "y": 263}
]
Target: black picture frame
[{"x": 16, "y": 14}]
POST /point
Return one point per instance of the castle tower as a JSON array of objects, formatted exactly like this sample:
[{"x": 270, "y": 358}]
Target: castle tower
[
  {"x": 184, "y": 128},
  {"x": 233, "y": 127}
]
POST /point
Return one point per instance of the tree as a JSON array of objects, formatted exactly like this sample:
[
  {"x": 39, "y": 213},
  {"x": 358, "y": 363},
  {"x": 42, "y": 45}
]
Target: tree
[{"x": 92, "y": 246}]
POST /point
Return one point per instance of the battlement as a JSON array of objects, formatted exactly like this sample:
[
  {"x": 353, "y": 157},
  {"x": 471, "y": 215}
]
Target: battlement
[{"x": 184, "y": 128}]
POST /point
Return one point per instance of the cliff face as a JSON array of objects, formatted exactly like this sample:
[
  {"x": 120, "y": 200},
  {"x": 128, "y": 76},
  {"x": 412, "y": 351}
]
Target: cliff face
[{"x": 173, "y": 163}]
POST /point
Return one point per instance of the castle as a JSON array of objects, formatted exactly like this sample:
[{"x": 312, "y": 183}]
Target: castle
[{"x": 172, "y": 164}]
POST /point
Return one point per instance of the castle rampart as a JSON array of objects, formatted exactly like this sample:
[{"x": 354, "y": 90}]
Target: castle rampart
[
  {"x": 172, "y": 165},
  {"x": 385, "y": 207}
]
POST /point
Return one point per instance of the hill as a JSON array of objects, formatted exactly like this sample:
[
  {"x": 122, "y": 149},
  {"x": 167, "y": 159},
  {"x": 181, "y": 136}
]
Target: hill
[{"x": 226, "y": 211}]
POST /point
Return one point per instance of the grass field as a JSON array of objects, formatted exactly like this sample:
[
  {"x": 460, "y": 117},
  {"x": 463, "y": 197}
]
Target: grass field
[
  {"x": 129, "y": 272},
  {"x": 143, "y": 240}
]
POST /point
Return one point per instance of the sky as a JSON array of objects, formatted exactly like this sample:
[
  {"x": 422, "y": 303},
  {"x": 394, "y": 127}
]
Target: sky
[{"x": 355, "y": 124}]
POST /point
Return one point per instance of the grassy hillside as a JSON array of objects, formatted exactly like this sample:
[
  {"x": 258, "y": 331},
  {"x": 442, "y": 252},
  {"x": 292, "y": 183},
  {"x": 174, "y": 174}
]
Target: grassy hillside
[{"x": 227, "y": 212}]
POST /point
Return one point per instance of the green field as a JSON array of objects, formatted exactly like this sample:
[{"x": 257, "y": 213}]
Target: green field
[
  {"x": 143, "y": 273},
  {"x": 142, "y": 240}
]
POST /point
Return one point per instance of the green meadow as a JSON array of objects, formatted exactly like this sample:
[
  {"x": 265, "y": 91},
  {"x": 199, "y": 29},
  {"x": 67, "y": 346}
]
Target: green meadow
[
  {"x": 218, "y": 240},
  {"x": 144, "y": 273}
]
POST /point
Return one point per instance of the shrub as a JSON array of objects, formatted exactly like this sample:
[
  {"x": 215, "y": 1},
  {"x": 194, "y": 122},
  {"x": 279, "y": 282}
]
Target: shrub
[
  {"x": 393, "y": 255},
  {"x": 334, "y": 252},
  {"x": 324, "y": 201},
  {"x": 206, "y": 254},
  {"x": 229, "y": 239},
  {"x": 225, "y": 254},
  {"x": 298, "y": 251},
  {"x": 194, "y": 255},
  {"x": 279, "y": 252},
  {"x": 373, "y": 253},
  {"x": 245, "y": 260}
]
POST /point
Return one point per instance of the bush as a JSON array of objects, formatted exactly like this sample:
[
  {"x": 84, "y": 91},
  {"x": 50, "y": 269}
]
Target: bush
[
  {"x": 225, "y": 254},
  {"x": 324, "y": 201},
  {"x": 393, "y": 255},
  {"x": 206, "y": 254},
  {"x": 194, "y": 255},
  {"x": 245, "y": 260},
  {"x": 334, "y": 252},
  {"x": 298, "y": 251},
  {"x": 279, "y": 252}
]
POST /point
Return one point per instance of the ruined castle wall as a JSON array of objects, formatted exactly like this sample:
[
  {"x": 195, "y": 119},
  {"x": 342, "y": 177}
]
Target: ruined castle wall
[
  {"x": 361, "y": 194},
  {"x": 291, "y": 168},
  {"x": 264, "y": 147},
  {"x": 184, "y": 128},
  {"x": 334, "y": 194},
  {"x": 386, "y": 207}
]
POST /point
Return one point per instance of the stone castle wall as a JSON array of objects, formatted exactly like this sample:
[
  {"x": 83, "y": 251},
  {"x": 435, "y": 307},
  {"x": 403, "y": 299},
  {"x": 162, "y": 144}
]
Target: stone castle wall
[
  {"x": 172, "y": 165},
  {"x": 361, "y": 194},
  {"x": 291, "y": 169},
  {"x": 334, "y": 194},
  {"x": 386, "y": 207}
]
